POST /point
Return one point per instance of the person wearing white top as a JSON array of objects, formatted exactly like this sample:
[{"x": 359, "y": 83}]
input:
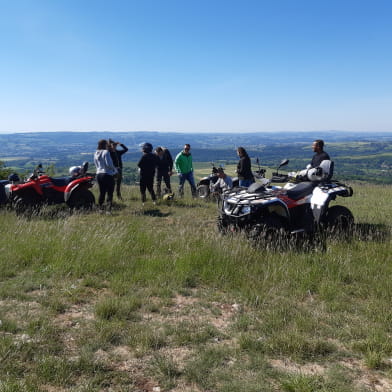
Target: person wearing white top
[
  {"x": 105, "y": 173},
  {"x": 224, "y": 182}
]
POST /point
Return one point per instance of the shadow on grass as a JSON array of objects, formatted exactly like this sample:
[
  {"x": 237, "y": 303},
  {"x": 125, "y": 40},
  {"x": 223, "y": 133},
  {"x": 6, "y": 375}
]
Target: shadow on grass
[
  {"x": 304, "y": 243},
  {"x": 189, "y": 204},
  {"x": 155, "y": 212}
]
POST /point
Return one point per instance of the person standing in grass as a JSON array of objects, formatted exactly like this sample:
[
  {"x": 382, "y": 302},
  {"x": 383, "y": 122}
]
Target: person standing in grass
[
  {"x": 147, "y": 166},
  {"x": 117, "y": 160},
  {"x": 164, "y": 169},
  {"x": 105, "y": 173},
  {"x": 320, "y": 155},
  {"x": 184, "y": 168},
  {"x": 244, "y": 171}
]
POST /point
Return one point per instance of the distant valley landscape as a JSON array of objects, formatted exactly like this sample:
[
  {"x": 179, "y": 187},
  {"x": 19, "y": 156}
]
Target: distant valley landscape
[{"x": 360, "y": 156}]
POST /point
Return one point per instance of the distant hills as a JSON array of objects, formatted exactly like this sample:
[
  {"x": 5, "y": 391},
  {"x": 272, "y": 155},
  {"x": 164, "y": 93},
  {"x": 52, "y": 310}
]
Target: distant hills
[
  {"x": 88, "y": 140},
  {"x": 356, "y": 155}
]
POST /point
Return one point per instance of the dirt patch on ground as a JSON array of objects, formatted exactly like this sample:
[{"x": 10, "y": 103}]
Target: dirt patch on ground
[
  {"x": 191, "y": 309},
  {"x": 288, "y": 366}
]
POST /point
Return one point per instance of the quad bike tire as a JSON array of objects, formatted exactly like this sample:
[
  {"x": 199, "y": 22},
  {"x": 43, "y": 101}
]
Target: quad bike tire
[
  {"x": 81, "y": 199},
  {"x": 203, "y": 191},
  {"x": 26, "y": 204},
  {"x": 338, "y": 220},
  {"x": 268, "y": 234},
  {"x": 222, "y": 225}
]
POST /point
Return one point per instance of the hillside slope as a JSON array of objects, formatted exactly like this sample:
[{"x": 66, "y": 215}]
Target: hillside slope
[{"x": 154, "y": 299}]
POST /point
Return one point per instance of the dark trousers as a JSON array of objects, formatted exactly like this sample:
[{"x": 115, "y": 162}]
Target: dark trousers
[
  {"x": 118, "y": 180},
  {"x": 165, "y": 176},
  {"x": 147, "y": 183},
  {"x": 106, "y": 187}
]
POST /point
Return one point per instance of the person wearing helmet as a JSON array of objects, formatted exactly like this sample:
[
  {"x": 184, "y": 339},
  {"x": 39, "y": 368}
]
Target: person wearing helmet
[
  {"x": 105, "y": 173},
  {"x": 147, "y": 166},
  {"x": 184, "y": 168},
  {"x": 320, "y": 155}
]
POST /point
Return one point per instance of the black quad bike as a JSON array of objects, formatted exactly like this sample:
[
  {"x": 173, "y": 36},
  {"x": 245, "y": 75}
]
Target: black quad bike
[
  {"x": 267, "y": 212},
  {"x": 40, "y": 189},
  {"x": 205, "y": 187}
]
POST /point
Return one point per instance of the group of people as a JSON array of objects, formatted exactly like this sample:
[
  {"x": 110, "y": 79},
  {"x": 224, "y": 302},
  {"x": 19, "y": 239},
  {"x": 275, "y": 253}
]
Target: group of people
[{"x": 159, "y": 163}]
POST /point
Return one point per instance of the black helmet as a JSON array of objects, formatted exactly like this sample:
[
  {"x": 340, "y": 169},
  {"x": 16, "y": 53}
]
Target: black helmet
[
  {"x": 147, "y": 147},
  {"x": 13, "y": 177}
]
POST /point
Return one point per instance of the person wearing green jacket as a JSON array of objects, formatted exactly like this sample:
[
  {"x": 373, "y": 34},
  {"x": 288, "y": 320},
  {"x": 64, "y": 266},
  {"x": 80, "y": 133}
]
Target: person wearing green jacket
[{"x": 184, "y": 168}]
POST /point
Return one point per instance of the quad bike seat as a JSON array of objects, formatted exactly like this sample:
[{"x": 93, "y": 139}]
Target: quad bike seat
[
  {"x": 62, "y": 181},
  {"x": 301, "y": 190},
  {"x": 256, "y": 187}
]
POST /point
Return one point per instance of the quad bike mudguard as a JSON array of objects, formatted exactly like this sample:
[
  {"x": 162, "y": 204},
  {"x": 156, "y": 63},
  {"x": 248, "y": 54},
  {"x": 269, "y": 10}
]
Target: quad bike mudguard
[{"x": 75, "y": 185}]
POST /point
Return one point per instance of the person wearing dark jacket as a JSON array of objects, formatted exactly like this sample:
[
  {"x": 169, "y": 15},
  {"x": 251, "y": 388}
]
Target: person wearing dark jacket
[
  {"x": 320, "y": 155},
  {"x": 244, "y": 171},
  {"x": 117, "y": 160},
  {"x": 147, "y": 167},
  {"x": 164, "y": 169}
]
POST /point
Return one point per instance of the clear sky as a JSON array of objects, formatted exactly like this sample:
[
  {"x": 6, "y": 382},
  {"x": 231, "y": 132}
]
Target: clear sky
[{"x": 195, "y": 65}]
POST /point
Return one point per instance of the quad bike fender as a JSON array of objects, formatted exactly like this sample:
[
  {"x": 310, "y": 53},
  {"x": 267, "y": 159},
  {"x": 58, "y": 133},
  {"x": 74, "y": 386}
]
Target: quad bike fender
[
  {"x": 31, "y": 186},
  {"x": 277, "y": 207},
  {"x": 319, "y": 203},
  {"x": 74, "y": 185},
  {"x": 204, "y": 181}
]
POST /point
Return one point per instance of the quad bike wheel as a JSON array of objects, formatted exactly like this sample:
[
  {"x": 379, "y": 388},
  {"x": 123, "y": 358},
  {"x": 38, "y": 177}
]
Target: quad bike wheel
[
  {"x": 268, "y": 234},
  {"x": 203, "y": 191},
  {"x": 338, "y": 220},
  {"x": 82, "y": 199},
  {"x": 26, "y": 204},
  {"x": 222, "y": 225}
]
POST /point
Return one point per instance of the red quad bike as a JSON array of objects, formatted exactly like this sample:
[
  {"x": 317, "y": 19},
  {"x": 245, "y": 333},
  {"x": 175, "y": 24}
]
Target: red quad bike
[
  {"x": 40, "y": 189},
  {"x": 301, "y": 208}
]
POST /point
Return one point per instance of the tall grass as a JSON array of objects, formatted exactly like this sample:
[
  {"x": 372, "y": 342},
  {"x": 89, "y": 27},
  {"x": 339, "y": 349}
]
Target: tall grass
[{"x": 106, "y": 281}]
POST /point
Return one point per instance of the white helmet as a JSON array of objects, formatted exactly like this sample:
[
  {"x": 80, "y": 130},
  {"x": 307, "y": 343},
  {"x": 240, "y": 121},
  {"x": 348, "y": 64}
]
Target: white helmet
[
  {"x": 315, "y": 174},
  {"x": 324, "y": 172},
  {"x": 75, "y": 171}
]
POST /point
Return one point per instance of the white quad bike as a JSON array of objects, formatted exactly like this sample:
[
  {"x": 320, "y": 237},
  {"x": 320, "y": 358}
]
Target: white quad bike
[{"x": 302, "y": 206}]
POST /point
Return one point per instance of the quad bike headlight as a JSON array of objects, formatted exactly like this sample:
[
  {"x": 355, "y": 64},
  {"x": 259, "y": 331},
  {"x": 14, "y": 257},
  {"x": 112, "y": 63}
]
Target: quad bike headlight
[
  {"x": 227, "y": 207},
  {"x": 245, "y": 210}
]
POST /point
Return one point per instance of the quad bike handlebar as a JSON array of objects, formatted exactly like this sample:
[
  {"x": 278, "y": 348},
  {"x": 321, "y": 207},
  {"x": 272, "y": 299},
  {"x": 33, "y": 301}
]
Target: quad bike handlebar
[{"x": 276, "y": 177}]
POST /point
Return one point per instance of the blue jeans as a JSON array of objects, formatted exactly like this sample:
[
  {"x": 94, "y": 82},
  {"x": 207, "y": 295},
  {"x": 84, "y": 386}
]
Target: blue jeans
[
  {"x": 245, "y": 183},
  {"x": 186, "y": 177}
]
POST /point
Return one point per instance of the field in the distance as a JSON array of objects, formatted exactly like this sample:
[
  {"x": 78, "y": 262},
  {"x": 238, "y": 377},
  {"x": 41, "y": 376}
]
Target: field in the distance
[{"x": 154, "y": 299}]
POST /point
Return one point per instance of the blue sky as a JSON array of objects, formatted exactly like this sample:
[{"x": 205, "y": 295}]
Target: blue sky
[{"x": 195, "y": 65}]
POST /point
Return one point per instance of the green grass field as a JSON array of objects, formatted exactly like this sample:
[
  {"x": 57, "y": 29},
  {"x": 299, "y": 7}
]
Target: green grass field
[{"x": 154, "y": 299}]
